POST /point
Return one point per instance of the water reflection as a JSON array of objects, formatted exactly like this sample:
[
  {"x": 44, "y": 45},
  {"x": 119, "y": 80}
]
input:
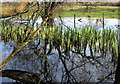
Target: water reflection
[
  {"x": 94, "y": 22},
  {"x": 53, "y": 68},
  {"x": 81, "y": 68}
]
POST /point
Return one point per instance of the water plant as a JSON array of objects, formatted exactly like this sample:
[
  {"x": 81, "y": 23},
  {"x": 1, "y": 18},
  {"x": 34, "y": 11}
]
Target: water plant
[{"x": 67, "y": 39}]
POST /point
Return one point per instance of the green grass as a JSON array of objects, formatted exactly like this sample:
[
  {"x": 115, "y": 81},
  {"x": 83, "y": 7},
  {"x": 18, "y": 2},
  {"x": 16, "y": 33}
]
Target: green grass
[{"x": 81, "y": 11}]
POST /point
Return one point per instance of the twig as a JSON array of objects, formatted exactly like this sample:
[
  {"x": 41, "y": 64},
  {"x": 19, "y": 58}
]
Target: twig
[{"x": 105, "y": 77}]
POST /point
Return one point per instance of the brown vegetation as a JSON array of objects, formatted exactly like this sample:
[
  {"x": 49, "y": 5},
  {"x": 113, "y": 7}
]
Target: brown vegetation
[{"x": 10, "y": 9}]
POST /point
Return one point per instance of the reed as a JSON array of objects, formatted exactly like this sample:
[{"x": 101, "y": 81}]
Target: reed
[{"x": 75, "y": 38}]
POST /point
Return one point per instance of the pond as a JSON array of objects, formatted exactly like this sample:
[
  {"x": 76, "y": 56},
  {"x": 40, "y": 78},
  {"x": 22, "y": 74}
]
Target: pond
[{"x": 81, "y": 68}]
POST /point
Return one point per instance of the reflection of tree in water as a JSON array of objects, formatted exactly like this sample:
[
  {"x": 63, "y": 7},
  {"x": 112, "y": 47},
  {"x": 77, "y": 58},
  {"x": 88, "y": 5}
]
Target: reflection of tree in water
[
  {"x": 97, "y": 23},
  {"x": 53, "y": 64},
  {"x": 61, "y": 68}
]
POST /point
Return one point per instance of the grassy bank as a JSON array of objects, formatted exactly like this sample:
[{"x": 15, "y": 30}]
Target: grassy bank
[
  {"x": 91, "y": 11},
  {"x": 79, "y": 11}
]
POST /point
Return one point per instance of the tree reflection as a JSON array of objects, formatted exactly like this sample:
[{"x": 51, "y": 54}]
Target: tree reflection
[{"x": 53, "y": 56}]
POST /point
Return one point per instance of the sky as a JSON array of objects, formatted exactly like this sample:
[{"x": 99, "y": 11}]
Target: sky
[{"x": 61, "y": 0}]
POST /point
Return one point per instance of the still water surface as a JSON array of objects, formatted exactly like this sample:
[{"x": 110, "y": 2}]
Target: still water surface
[{"x": 26, "y": 60}]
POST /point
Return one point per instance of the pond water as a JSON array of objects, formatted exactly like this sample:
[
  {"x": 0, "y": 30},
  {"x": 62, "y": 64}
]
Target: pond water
[
  {"x": 28, "y": 61},
  {"x": 94, "y": 22}
]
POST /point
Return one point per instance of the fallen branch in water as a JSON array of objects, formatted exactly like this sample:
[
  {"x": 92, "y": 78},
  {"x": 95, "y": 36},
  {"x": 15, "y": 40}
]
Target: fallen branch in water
[{"x": 22, "y": 76}]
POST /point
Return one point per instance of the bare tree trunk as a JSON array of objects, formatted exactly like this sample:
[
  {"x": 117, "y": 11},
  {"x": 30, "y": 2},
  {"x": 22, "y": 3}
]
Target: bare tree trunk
[
  {"x": 48, "y": 12},
  {"x": 117, "y": 75}
]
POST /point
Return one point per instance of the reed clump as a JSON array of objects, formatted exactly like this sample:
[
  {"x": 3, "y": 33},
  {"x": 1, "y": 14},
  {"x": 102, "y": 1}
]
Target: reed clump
[{"x": 78, "y": 39}]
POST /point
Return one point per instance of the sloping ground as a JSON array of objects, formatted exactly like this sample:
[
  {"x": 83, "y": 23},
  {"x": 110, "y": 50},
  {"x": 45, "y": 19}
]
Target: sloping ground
[{"x": 9, "y": 9}]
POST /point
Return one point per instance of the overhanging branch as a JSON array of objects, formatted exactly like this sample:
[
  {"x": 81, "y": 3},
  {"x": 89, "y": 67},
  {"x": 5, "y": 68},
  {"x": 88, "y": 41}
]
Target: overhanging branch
[{"x": 13, "y": 14}]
